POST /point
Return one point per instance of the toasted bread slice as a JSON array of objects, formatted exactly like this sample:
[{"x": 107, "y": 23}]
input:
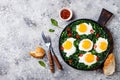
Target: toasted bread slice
[
  {"x": 109, "y": 65},
  {"x": 39, "y": 53}
]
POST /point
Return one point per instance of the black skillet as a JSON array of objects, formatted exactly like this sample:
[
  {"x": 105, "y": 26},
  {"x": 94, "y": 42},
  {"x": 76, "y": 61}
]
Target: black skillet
[{"x": 103, "y": 19}]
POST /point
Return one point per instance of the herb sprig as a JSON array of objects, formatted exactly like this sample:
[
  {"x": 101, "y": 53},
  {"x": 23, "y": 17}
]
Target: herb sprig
[{"x": 42, "y": 63}]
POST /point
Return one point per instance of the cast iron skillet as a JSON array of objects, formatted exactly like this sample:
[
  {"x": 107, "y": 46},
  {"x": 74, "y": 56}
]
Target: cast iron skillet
[{"x": 103, "y": 19}]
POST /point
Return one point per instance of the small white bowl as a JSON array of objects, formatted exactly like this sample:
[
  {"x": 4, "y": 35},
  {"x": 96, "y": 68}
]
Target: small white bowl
[{"x": 71, "y": 14}]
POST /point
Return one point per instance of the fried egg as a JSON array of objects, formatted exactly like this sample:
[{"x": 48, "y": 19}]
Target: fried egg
[
  {"x": 85, "y": 45},
  {"x": 69, "y": 47},
  {"x": 84, "y": 28},
  {"x": 101, "y": 45},
  {"x": 88, "y": 59}
]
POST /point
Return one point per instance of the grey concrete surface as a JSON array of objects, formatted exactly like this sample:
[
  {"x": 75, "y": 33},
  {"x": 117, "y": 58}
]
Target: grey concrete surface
[{"x": 21, "y": 23}]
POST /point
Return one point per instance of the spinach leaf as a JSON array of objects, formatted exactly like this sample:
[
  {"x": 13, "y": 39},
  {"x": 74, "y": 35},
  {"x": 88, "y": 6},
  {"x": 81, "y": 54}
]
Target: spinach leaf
[
  {"x": 42, "y": 63},
  {"x": 54, "y": 22},
  {"x": 51, "y": 30}
]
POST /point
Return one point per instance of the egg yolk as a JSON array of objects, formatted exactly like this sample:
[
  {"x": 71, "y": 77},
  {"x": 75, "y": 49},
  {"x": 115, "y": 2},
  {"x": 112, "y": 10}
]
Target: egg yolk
[
  {"x": 89, "y": 58},
  {"x": 103, "y": 45},
  {"x": 82, "y": 28},
  {"x": 67, "y": 45},
  {"x": 86, "y": 44}
]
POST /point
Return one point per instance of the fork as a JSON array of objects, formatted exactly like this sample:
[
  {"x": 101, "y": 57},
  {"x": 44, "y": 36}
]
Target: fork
[
  {"x": 48, "y": 44},
  {"x": 54, "y": 56}
]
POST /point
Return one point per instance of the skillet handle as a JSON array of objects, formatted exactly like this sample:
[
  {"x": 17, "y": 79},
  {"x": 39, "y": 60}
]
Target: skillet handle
[{"x": 104, "y": 17}]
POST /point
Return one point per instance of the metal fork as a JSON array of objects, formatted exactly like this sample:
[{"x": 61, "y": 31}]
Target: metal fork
[
  {"x": 48, "y": 44},
  {"x": 54, "y": 56}
]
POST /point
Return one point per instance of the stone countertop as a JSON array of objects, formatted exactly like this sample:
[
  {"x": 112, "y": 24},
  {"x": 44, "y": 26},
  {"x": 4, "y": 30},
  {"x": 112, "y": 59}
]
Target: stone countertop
[{"x": 21, "y": 24}]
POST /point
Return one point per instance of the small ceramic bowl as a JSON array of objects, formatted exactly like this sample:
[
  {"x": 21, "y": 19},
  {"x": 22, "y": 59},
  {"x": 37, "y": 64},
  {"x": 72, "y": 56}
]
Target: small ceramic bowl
[{"x": 65, "y": 14}]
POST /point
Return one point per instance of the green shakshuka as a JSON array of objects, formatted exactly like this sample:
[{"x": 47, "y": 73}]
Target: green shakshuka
[{"x": 84, "y": 44}]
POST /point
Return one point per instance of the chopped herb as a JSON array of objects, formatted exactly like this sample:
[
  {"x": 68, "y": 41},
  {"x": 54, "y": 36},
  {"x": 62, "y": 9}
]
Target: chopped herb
[
  {"x": 51, "y": 30},
  {"x": 42, "y": 63}
]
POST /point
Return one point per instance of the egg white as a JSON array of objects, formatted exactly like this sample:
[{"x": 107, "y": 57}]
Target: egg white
[
  {"x": 100, "y": 39},
  {"x": 72, "y": 50},
  {"x": 81, "y": 42},
  {"x": 82, "y": 59},
  {"x": 89, "y": 27}
]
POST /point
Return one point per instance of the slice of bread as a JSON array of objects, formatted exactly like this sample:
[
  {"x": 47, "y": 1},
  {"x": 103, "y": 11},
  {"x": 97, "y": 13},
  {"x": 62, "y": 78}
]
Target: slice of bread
[
  {"x": 109, "y": 65},
  {"x": 38, "y": 53}
]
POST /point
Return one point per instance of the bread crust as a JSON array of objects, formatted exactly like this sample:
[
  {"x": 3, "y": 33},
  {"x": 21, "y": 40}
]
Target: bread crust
[{"x": 109, "y": 65}]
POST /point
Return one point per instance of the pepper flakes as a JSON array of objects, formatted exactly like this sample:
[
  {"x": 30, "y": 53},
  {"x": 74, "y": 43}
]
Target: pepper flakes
[
  {"x": 97, "y": 35},
  {"x": 95, "y": 46},
  {"x": 68, "y": 29},
  {"x": 61, "y": 48},
  {"x": 77, "y": 36},
  {"x": 80, "y": 55},
  {"x": 92, "y": 31},
  {"x": 69, "y": 34},
  {"x": 97, "y": 58},
  {"x": 70, "y": 61}
]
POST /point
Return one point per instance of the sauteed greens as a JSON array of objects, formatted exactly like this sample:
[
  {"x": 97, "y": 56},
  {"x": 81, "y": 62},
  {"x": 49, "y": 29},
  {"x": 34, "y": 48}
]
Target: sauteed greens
[{"x": 70, "y": 31}]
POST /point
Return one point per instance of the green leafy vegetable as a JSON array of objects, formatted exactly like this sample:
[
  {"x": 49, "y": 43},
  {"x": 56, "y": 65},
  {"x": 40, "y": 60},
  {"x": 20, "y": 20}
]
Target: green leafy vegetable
[
  {"x": 51, "y": 30},
  {"x": 75, "y": 57},
  {"x": 54, "y": 22},
  {"x": 42, "y": 63}
]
